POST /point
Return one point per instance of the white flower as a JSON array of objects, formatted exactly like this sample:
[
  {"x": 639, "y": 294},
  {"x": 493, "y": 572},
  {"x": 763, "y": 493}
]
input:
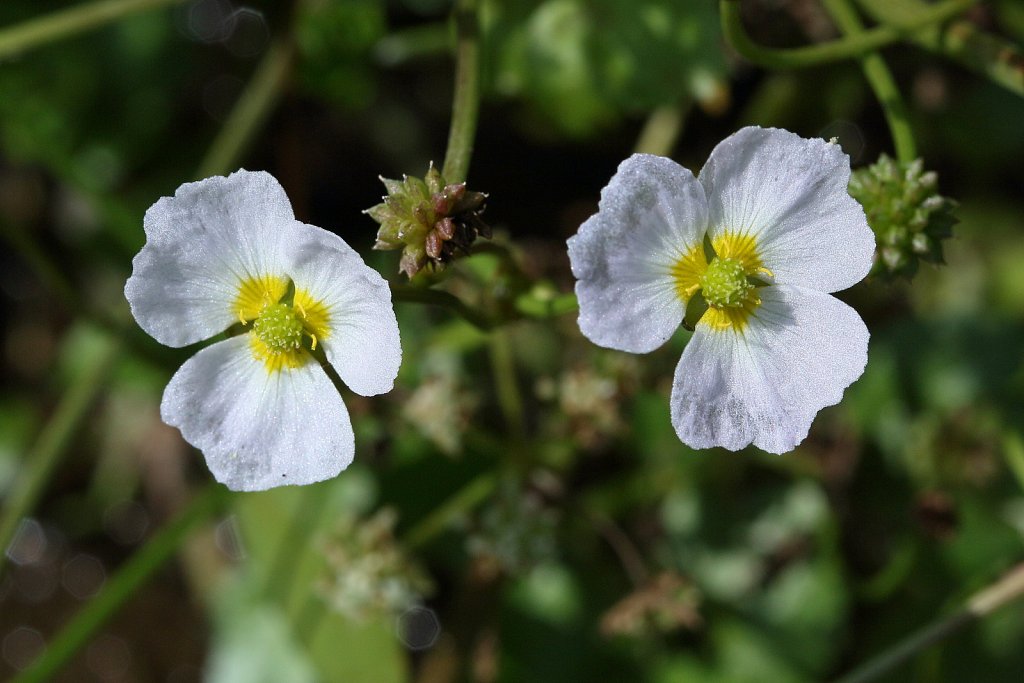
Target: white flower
[
  {"x": 773, "y": 348},
  {"x": 226, "y": 252}
]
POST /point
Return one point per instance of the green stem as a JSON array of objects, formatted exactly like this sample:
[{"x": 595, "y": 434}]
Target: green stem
[
  {"x": 53, "y": 442},
  {"x": 662, "y": 130},
  {"x": 251, "y": 110},
  {"x": 1002, "y": 592},
  {"x": 996, "y": 58},
  {"x": 881, "y": 81},
  {"x": 123, "y": 585},
  {"x": 506, "y": 383},
  {"x": 436, "y": 297},
  {"x": 34, "y": 32},
  {"x": 1013, "y": 449},
  {"x": 466, "y": 101},
  {"x": 846, "y": 48},
  {"x": 465, "y": 499}
]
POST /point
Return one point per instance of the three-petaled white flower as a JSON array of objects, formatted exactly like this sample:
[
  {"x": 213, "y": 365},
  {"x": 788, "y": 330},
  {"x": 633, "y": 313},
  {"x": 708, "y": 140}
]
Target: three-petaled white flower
[
  {"x": 773, "y": 347},
  {"x": 228, "y": 253}
]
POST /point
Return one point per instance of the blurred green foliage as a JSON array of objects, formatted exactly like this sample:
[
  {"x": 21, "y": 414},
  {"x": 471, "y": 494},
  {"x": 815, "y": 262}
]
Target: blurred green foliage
[{"x": 587, "y": 543}]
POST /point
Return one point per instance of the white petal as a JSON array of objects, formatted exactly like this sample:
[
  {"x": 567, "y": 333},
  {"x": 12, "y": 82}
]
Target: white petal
[
  {"x": 790, "y": 193},
  {"x": 363, "y": 344},
  {"x": 200, "y": 244},
  {"x": 651, "y": 214},
  {"x": 257, "y": 429},
  {"x": 798, "y": 353}
]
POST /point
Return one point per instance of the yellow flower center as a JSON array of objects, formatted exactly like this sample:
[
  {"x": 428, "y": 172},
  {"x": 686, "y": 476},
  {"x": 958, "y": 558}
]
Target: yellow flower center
[
  {"x": 278, "y": 326},
  {"x": 725, "y": 282},
  {"x": 286, "y": 325}
]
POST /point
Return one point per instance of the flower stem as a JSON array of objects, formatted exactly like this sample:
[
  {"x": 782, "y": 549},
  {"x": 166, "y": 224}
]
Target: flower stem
[
  {"x": 880, "y": 79},
  {"x": 662, "y": 130},
  {"x": 465, "y": 499},
  {"x": 53, "y": 442},
  {"x": 61, "y": 24},
  {"x": 251, "y": 110},
  {"x": 1007, "y": 589},
  {"x": 436, "y": 297},
  {"x": 466, "y": 100},
  {"x": 506, "y": 384},
  {"x": 1000, "y": 60},
  {"x": 836, "y": 50},
  {"x": 123, "y": 585}
]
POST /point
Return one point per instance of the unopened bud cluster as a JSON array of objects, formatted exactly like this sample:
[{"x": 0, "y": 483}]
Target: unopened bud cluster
[
  {"x": 430, "y": 220},
  {"x": 908, "y": 215}
]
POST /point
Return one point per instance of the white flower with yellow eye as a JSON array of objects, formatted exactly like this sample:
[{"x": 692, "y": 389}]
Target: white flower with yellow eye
[
  {"x": 228, "y": 252},
  {"x": 773, "y": 347}
]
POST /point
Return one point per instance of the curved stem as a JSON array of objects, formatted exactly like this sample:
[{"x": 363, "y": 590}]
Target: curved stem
[
  {"x": 251, "y": 110},
  {"x": 53, "y": 442},
  {"x": 845, "y": 48},
  {"x": 34, "y": 32},
  {"x": 123, "y": 585},
  {"x": 1000, "y": 593},
  {"x": 436, "y": 297},
  {"x": 881, "y": 81},
  {"x": 1000, "y": 60},
  {"x": 466, "y": 101}
]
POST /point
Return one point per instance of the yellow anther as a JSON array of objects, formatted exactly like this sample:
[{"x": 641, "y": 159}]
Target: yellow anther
[{"x": 313, "y": 337}]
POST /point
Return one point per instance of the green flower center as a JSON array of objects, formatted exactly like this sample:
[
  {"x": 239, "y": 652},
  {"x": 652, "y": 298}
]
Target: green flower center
[
  {"x": 725, "y": 283},
  {"x": 279, "y": 327}
]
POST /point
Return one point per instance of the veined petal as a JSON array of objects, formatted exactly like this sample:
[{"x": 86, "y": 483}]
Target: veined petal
[
  {"x": 259, "y": 429},
  {"x": 203, "y": 246},
  {"x": 651, "y": 220},
  {"x": 797, "y": 354},
  {"x": 350, "y": 304},
  {"x": 789, "y": 194}
]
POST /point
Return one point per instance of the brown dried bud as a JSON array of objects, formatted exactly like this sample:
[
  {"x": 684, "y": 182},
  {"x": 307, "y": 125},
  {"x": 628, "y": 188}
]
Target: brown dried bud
[{"x": 430, "y": 220}]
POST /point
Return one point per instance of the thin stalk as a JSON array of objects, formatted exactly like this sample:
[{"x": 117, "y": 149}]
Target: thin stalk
[
  {"x": 881, "y": 81},
  {"x": 506, "y": 384},
  {"x": 78, "y": 19},
  {"x": 849, "y": 47},
  {"x": 251, "y": 110},
  {"x": 1005, "y": 590},
  {"x": 125, "y": 583},
  {"x": 662, "y": 130},
  {"x": 1000, "y": 60},
  {"x": 466, "y": 100},
  {"x": 465, "y": 499},
  {"x": 53, "y": 443},
  {"x": 436, "y": 297}
]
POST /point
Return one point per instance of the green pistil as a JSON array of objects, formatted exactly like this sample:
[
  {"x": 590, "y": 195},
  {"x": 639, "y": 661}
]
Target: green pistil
[
  {"x": 279, "y": 328},
  {"x": 725, "y": 283}
]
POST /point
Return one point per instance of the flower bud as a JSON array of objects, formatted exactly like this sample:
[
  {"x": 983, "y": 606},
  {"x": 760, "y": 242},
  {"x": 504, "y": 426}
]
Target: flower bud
[
  {"x": 908, "y": 215},
  {"x": 431, "y": 220}
]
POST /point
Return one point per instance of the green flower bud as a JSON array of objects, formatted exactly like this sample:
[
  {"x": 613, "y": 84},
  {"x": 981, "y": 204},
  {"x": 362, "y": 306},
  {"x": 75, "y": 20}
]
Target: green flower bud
[
  {"x": 908, "y": 215},
  {"x": 431, "y": 220}
]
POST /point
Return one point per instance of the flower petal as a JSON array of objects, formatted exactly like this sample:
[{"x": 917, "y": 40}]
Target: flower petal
[
  {"x": 361, "y": 339},
  {"x": 259, "y": 429},
  {"x": 797, "y": 354},
  {"x": 790, "y": 194},
  {"x": 651, "y": 215},
  {"x": 201, "y": 244}
]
